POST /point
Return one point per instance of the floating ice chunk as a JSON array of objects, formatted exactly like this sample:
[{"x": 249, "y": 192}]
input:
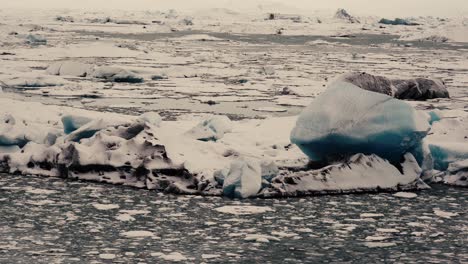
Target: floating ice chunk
[
  {"x": 212, "y": 128},
  {"x": 173, "y": 256},
  {"x": 107, "y": 256},
  {"x": 105, "y": 206},
  {"x": 388, "y": 230},
  {"x": 39, "y": 191},
  {"x": 376, "y": 238},
  {"x": 115, "y": 74},
  {"x": 260, "y": 238},
  {"x": 345, "y": 120},
  {"x": 379, "y": 244},
  {"x": 371, "y": 215},
  {"x": 73, "y": 122},
  {"x": 397, "y": 22},
  {"x": 210, "y": 256},
  {"x": 36, "y": 40},
  {"x": 70, "y": 68},
  {"x": 152, "y": 118},
  {"x": 243, "y": 180},
  {"x": 125, "y": 217},
  {"x": 137, "y": 234},
  {"x": 405, "y": 195},
  {"x": 444, "y": 214},
  {"x": 244, "y": 209}
]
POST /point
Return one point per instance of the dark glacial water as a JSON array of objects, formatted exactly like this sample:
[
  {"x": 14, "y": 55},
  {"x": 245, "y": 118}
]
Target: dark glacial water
[{"x": 48, "y": 220}]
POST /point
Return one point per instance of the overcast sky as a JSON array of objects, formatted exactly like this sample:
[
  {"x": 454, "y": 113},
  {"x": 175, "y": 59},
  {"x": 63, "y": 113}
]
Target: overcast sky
[{"x": 361, "y": 7}]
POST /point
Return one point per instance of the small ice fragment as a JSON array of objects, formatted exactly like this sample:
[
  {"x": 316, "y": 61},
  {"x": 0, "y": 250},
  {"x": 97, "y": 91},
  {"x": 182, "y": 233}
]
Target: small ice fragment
[
  {"x": 379, "y": 244},
  {"x": 444, "y": 214},
  {"x": 137, "y": 233},
  {"x": 105, "y": 206},
  {"x": 210, "y": 256},
  {"x": 244, "y": 210},
  {"x": 405, "y": 195},
  {"x": 107, "y": 256},
  {"x": 371, "y": 215}
]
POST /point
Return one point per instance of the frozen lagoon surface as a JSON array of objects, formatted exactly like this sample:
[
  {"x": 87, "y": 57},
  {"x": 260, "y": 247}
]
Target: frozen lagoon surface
[
  {"x": 234, "y": 69},
  {"x": 49, "y": 220}
]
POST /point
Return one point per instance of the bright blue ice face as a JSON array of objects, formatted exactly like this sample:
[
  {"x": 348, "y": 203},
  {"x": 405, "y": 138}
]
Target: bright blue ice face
[
  {"x": 444, "y": 155},
  {"x": 347, "y": 120},
  {"x": 72, "y": 123}
]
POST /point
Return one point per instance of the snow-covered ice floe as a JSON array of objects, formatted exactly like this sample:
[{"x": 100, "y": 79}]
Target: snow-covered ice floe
[{"x": 354, "y": 140}]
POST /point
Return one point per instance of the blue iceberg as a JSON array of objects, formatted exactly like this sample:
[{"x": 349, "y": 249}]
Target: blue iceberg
[{"x": 346, "y": 120}]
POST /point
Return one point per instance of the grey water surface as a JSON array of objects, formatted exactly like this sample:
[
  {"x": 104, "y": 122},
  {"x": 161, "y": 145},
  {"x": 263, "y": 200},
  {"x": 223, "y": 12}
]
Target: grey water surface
[{"x": 50, "y": 220}]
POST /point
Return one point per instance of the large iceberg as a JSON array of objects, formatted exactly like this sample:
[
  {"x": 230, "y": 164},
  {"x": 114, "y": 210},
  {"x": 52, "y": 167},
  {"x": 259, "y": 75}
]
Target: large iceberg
[{"x": 346, "y": 120}]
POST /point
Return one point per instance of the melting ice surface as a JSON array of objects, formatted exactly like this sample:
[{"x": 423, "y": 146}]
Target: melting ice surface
[{"x": 49, "y": 220}]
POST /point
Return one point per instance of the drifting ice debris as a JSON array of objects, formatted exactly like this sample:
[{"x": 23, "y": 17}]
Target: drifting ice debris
[
  {"x": 346, "y": 120},
  {"x": 36, "y": 40},
  {"x": 244, "y": 179},
  {"x": 360, "y": 173},
  {"x": 70, "y": 68},
  {"x": 115, "y": 74},
  {"x": 344, "y": 15},
  {"x": 457, "y": 174},
  {"x": 211, "y": 129},
  {"x": 413, "y": 89},
  {"x": 397, "y": 21}
]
